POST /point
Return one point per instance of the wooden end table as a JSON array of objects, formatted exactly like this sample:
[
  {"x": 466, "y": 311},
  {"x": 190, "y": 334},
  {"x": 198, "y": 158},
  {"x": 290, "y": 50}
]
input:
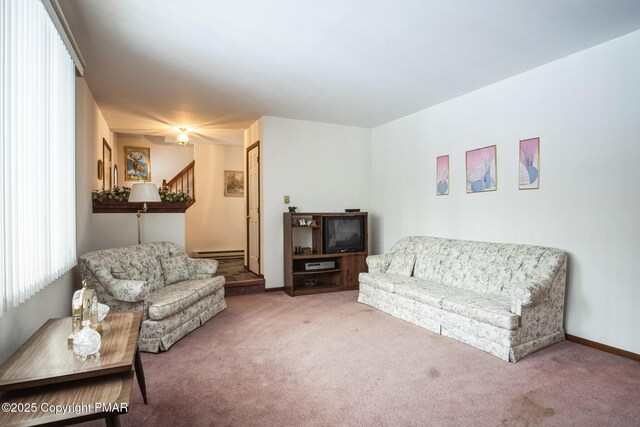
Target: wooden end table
[{"x": 44, "y": 383}]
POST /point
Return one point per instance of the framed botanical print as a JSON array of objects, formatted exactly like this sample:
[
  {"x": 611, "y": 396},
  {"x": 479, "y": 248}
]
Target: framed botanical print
[
  {"x": 234, "y": 184},
  {"x": 138, "y": 163},
  {"x": 482, "y": 174},
  {"x": 442, "y": 175},
  {"x": 529, "y": 164}
]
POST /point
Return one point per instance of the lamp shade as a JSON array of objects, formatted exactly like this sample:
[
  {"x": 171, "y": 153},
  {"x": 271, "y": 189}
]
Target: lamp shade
[{"x": 144, "y": 192}]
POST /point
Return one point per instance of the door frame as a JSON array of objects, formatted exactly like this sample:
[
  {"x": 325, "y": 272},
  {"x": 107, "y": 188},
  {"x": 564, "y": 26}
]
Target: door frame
[{"x": 247, "y": 194}]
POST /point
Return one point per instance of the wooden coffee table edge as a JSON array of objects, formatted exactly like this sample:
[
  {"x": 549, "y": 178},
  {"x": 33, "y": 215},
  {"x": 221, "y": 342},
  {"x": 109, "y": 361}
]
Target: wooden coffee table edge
[
  {"x": 122, "y": 367},
  {"x": 25, "y": 396}
]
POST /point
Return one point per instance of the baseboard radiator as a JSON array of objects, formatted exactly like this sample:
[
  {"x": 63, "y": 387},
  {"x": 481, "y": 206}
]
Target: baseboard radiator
[{"x": 219, "y": 254}]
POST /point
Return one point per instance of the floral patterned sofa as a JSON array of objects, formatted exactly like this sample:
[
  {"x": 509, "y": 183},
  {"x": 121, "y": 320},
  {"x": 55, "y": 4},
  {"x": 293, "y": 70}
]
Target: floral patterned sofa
[
  {"x": 505, "y": 299},
  {"x": 176, "y": 293}
]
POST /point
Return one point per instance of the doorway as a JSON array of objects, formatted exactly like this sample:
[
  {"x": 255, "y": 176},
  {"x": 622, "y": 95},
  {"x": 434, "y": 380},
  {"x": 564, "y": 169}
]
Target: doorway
[{"x": 253, "y": 207}]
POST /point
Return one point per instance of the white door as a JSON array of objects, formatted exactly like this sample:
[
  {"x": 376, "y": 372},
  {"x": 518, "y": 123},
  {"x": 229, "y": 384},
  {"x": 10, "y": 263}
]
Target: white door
[{"x": 253, "y": 207}]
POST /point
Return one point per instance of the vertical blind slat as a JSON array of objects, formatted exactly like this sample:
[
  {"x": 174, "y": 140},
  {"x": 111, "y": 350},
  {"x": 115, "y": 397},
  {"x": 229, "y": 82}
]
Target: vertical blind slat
[{"x": 37, "y": 153}]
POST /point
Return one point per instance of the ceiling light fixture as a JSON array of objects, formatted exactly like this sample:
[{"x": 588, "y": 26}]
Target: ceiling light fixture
[{"x": 183, "y": 136}]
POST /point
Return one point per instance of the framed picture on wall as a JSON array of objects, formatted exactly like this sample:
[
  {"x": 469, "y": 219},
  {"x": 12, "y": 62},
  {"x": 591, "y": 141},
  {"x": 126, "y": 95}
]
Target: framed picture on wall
[
  {"x": 138, "y": 163},
  {"x": 442, "y": 175},
  {"x": 482, "y": 173},
  {"x": 530, "y": 164},
  {"x": 106, "y": 165},
  {"x": 234, "y": 184}
]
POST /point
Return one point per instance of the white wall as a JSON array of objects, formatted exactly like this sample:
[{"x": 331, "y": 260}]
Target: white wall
[
  {"x": 113, "y": 230},
  {"x": 215, "y": 222},
  {"x": 323, "y": 167},
  {"x": 55, "y": 299},
  {"x": 585, "y": 110},
  {"x": 91, "y": 128},
  {"x": 167, "y": 159}
]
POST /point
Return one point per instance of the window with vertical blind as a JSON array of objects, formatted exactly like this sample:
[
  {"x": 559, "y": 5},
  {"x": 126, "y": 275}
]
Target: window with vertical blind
[{"x": 37, "y": 153}]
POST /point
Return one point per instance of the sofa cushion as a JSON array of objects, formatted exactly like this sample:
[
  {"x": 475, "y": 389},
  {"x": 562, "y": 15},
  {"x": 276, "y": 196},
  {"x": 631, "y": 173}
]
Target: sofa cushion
[
  {"x": 430, "y": 293},
  {"x": 202, "y": 268},
  {"x": 175, "y": 269},
  {"x": 402, "y": 264},
  {"x": 176, "y": 297},
  {"x": 379, "y": 263},
  {"x": 157, "y": 328},
  {"x": 127, "y": 290},
  {"x": 203, "y": 287},
  {"x": 491, "y": 309},
  {"x": 128, "y": 273},
  {"x": 169, "y": 301},
  {"x": 386, "y": 282}
]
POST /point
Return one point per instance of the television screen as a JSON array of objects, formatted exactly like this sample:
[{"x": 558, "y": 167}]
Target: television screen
[{"x": 343, "y": 234}]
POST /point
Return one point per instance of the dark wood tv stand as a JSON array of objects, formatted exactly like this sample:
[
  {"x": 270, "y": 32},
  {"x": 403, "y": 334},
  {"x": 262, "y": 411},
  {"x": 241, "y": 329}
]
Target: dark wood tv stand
[{"x": 343, "y": 276}]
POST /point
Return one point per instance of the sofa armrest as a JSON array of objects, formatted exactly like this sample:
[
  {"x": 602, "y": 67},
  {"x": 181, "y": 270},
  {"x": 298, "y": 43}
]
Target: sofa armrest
[
  {"x": 531, "y": 293},
  {"x": 202, "y": 268},
  {"x": 379, "y": 263},
  {"x": 127, "y": 290}
]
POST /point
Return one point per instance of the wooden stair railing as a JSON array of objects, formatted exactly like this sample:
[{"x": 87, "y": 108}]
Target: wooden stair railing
[{"x": 183, "y": 182}]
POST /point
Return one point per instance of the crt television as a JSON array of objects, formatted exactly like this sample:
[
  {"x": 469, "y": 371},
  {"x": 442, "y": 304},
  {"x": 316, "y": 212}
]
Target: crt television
[{"x": 342, "y": 234}]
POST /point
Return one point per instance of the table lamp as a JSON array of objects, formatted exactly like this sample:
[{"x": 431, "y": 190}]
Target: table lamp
[{"x": 143, "y": 192}]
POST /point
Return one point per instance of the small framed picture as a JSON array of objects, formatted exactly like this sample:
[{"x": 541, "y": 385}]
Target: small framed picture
[
  {"x": 530, "y": 164},
  {"x": 234, "y": 184},
  {"x": 138, "y": 162},
  {"x": 482, "y": 174},
  {"x": 106, "y": 165},
  {"x": 442, "y": 175}
]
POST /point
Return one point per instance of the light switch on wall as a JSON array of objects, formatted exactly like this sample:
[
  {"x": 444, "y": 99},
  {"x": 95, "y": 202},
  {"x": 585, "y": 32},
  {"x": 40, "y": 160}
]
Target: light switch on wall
[{"x": 286, "y": 200}]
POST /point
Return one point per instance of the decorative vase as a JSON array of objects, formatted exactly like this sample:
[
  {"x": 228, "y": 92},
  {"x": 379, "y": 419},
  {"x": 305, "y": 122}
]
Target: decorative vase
[
  {"x": 443, "y": 186},
  {"x": 478, "y": 186},
  {"x": 533, "y": 174},
  {"x": 87, "y": 341},
  {"x": 488, "y": 180}
]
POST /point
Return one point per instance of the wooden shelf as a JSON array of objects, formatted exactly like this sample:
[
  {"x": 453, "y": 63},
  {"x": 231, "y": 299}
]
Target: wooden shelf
[
  {"x": 115, "y": 206},
  {"x": 347, "y": 265},
  {"x": 312, "y": 256},
  {"x": 321, "y": 288},
  {"x": 314, "y": 272}
]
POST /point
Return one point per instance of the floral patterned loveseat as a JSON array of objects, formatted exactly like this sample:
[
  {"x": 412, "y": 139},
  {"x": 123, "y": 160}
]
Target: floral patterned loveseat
[
  {"x": 505, "y": 299},
  {"x": 176, "y": 293}
]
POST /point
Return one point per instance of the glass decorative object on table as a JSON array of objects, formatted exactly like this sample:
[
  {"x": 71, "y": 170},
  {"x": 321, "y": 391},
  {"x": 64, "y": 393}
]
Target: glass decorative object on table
[
  {"x": 103, "y": 310},
  {"x": 84, "y": 306},
  {"x": 87, "y": 342}
]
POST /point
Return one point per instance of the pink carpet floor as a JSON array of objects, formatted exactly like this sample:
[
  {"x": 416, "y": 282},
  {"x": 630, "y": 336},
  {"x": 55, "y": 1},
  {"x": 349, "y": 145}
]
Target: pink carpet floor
[{"x": 326, "y": 360}]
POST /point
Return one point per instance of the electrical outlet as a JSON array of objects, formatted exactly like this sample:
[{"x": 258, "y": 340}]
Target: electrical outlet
[{"x": 286, "y": 200}]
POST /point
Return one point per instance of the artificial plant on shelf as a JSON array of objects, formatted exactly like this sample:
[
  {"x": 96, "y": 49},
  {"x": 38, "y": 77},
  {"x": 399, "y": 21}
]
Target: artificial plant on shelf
[
  {"x": 121, "y": 194},
  {"x": 174, "y": 197}
]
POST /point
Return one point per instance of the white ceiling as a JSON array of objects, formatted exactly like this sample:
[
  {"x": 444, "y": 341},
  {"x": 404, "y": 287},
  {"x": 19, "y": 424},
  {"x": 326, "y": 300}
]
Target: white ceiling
[{"x": 218, "y": 65}]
